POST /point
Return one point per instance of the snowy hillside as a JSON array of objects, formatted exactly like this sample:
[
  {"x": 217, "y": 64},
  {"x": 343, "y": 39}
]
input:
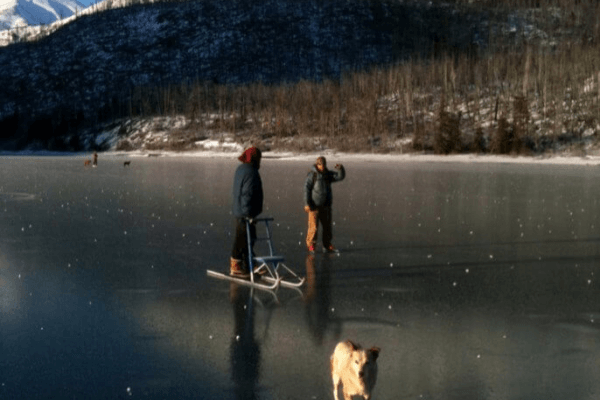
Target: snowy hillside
[
  {"x": 22, "y": 13},
  {"x": 87, "y": 69},
  {"x": 16, "y": 29},
  {"x": 112, "y": 61}
]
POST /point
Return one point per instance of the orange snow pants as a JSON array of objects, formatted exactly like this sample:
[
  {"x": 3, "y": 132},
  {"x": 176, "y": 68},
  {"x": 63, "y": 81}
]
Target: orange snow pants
[{"x": 320, "y": 215}]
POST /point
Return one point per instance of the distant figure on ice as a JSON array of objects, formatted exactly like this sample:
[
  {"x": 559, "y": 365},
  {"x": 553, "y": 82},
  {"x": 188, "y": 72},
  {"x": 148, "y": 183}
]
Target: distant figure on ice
[
  {"x": 247, "y": 204},
  {"x": 95, "y": 163},
  {"x": 318, "y": 199}
]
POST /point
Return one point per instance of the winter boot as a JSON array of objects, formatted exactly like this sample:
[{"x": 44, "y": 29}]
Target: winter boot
[
  {"x": 330, "y": 249},
  {"x": 237, "y": 269}
]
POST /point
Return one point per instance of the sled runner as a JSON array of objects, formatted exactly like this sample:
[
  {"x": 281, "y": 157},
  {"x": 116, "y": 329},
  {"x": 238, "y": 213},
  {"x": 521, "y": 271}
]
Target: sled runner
[{"x": 269, "y": 271}]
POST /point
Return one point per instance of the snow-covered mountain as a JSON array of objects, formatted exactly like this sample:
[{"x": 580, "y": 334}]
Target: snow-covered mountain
[
  {"x": 102, "y": 63},
  {"x": 20, "y": 13}
]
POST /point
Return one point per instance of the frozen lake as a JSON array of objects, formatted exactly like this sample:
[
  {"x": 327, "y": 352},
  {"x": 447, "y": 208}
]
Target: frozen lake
[{"x": 477, "y": 281}]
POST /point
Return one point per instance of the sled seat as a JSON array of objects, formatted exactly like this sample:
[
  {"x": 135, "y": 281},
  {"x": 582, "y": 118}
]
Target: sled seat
[{"x": 269, "y": 259}]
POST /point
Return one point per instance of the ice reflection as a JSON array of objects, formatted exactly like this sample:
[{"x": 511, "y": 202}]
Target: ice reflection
[
  {"x": 245, "y": 350},
  {"x": 318, "y": 299},
  {"x": 10, "y": 295}
]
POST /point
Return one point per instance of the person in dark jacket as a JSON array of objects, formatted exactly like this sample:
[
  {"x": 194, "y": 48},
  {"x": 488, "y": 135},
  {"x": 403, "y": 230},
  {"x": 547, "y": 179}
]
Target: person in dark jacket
[
  {"x": 317, "y": 202},
  {"x": 247, "y": 197}
]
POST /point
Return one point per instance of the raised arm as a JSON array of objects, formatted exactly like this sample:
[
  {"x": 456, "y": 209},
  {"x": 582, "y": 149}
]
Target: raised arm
[{"x": 338, "y": 173}]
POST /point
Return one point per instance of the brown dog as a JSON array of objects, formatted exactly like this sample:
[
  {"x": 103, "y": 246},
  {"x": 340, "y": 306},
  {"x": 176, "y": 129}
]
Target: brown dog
[
  {"x": 87, "y": 163},
  {"x": 355, "y": 369}
]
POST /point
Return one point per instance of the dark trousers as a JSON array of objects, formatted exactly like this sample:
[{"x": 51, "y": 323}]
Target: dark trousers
[{"x": 240, "y": 241}]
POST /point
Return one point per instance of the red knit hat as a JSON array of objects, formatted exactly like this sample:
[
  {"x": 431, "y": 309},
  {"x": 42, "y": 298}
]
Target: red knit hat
[{"x": 250, "y": 155}]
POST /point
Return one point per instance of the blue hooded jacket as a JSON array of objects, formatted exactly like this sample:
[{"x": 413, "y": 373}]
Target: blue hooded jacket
[{"x": 247, "y": 191}]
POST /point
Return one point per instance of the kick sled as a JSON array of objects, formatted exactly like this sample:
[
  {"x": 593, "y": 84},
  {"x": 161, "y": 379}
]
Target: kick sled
[{"x": 270, "y": 271}]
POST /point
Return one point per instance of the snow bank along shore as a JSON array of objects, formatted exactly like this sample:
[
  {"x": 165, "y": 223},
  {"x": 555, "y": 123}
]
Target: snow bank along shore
[{"x": 366, "y": 157}]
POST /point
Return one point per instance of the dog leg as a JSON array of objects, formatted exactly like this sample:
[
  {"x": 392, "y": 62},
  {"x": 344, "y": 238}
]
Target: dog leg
[
  {"x": 336, "y": 387},
  {"x": 347, "y": 396},
  {"x": 336, "y": 380}
]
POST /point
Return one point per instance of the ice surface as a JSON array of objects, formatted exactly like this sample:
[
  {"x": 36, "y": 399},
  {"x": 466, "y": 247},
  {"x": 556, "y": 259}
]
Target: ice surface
[{"x": 493, "y": 296}]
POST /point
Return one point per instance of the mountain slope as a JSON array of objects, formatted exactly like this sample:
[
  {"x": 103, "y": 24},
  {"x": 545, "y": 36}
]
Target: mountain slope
[
  {"x": 89, "y": 69},
  {"x": 19, "y": 13}
]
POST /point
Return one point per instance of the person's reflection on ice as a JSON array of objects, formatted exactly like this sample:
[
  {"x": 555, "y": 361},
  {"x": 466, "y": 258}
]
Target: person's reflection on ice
[
  {"x": 318, "y": 298},
  {"x": 245, "y": 351}
]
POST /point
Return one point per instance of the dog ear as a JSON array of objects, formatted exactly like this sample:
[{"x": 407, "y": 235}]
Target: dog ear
[
  {"x": 375, "y": 352},
  {"x": 354, "y": 345}
]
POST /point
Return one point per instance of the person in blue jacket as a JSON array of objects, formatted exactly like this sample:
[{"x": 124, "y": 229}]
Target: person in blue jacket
[
  {"x": 247, "y": 197},
  {"x": 318, "y": 200}
]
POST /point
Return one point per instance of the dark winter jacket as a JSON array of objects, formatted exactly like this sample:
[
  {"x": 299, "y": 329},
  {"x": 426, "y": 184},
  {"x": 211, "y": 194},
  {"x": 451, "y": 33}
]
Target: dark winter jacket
[
  {"x": 247, "y": 192},
  {"x": 317, "y": 188}
]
